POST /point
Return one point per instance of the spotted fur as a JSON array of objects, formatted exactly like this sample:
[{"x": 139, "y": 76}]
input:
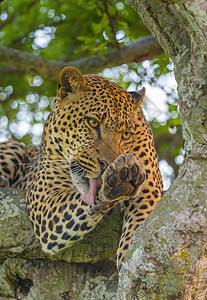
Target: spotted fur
[{"x": 96, "y": 137}]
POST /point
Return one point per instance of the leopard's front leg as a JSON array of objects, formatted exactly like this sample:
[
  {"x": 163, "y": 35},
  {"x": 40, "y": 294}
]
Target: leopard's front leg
[{"x": 122, "y": 181}]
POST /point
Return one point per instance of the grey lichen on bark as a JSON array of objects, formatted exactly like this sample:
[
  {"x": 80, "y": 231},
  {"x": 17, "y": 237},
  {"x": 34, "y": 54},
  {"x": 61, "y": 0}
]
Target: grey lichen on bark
[
  {"x": 167, "y": 258},
  {"x": 28, "y": 273},
  {"x": 44, "y": 279}
]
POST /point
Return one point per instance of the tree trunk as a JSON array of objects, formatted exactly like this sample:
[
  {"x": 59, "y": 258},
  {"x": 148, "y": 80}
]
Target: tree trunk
[{"x": 167, "y": 258}]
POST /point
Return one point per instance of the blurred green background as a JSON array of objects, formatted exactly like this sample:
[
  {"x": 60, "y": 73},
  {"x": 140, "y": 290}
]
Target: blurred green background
[{"x": 70, "y": 30}]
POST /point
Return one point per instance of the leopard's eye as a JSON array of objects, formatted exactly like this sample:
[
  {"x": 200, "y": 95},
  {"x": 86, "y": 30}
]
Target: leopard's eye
[
  {"x": 93, "y": 123},
  {"x": 126, "y": 135}
]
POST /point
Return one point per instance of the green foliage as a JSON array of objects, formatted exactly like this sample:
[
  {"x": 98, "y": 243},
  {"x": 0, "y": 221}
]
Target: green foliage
[{"x": 67, "y": 31}]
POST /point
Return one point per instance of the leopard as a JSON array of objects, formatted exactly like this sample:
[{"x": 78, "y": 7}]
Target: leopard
[{"x": 97, "y": 151}]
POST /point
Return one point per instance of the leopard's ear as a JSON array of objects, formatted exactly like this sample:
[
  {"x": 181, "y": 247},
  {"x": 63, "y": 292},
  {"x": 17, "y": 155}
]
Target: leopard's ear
[
  {"x": 70, "y": 81},
  {"x": 138, "y": 97}
]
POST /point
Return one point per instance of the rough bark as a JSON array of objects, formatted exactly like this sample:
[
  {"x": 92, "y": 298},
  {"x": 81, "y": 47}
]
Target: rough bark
[
  {"x": 146, "y": 48},
  {"x": 167, "y": 258},
  {"x": 43, "y": 280},
  {"x": 86, "y": 270}
]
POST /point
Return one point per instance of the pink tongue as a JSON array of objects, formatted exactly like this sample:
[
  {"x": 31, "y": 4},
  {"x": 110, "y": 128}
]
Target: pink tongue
[{"x": 89, "y": 197}]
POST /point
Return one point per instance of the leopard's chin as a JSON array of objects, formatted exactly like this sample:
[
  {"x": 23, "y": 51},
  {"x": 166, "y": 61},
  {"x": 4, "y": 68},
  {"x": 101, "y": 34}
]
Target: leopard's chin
[
  {"x": 87, "y": 186},
  {"x": 80, "y": 182}
]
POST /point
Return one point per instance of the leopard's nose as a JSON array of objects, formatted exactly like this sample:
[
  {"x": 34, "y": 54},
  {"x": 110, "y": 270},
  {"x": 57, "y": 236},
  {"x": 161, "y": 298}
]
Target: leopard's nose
[{"x": 103, "y": 165}]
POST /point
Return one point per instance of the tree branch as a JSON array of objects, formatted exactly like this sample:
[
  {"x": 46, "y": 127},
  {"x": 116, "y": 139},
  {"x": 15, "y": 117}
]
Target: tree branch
[
  {"x": 27, "y": 272},
  {"x": 113, "y": 23},
  {"x": 21, "y": 241},
  {"x": 146, "y": 48}
]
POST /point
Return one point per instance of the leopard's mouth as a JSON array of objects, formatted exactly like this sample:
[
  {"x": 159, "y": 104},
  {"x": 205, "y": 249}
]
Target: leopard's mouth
[
  {"x": 89, "y": 197},
  {"x": 86, "y": 186}
]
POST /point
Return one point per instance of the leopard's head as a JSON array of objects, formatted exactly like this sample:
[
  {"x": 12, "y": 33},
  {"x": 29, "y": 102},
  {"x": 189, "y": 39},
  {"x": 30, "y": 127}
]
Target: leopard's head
[{"x": 92, "y": 123}]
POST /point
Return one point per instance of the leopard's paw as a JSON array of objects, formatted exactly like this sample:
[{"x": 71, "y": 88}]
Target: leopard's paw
[{"x": 123, "y": 178}]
